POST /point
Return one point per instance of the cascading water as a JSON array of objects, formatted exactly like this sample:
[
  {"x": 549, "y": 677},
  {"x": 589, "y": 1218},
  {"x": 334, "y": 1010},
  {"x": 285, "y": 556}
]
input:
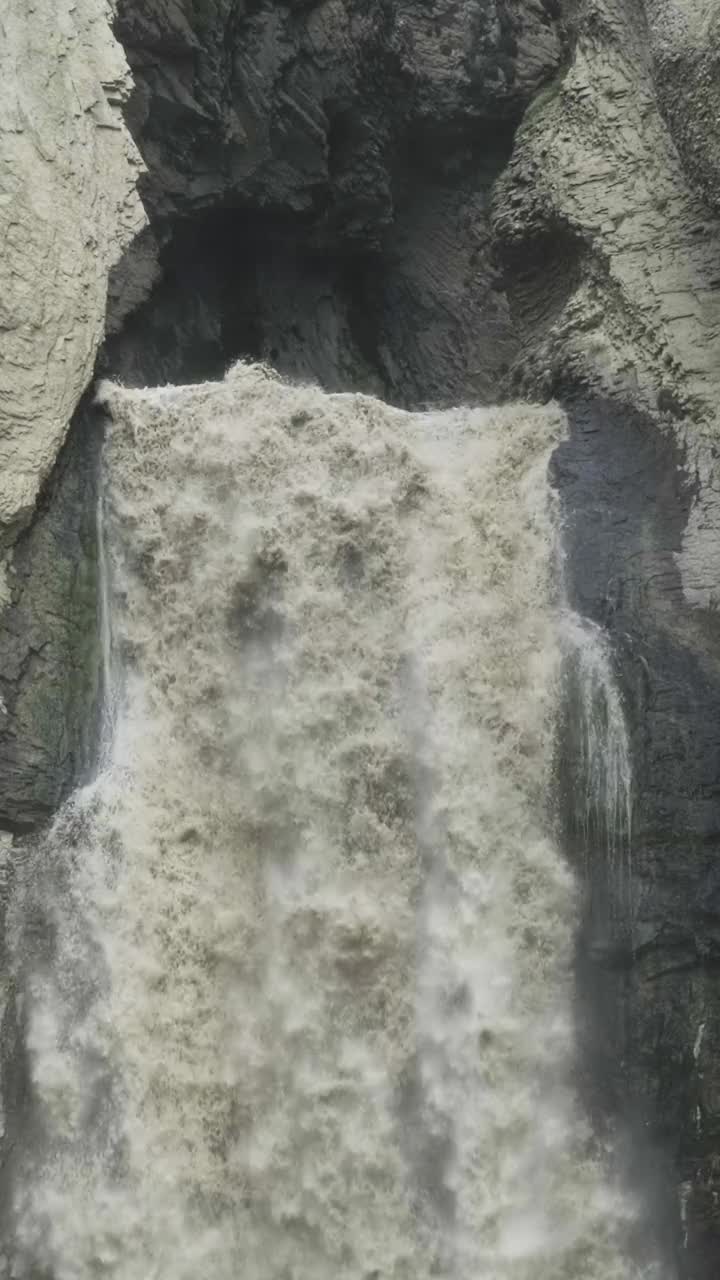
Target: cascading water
[
  {"x": 598, "y": 767},
  {"x": 298, "y": 1005}
]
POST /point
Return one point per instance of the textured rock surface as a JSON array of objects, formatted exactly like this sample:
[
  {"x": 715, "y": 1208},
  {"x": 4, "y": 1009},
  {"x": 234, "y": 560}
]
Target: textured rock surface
[
  {"x": 68, "y": 208},
  {"x": 649, "y": 990},
  {"x": 306, "y": 106},
  {"x": 339, "y": 156},
  {"x": 685, "y": 42},
  {"x": 612, "y": 255},
  {"x": 48, "y": 640}
]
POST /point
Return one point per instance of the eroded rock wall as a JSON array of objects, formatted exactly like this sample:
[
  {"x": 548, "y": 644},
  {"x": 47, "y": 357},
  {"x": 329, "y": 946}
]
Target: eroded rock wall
[
  {"x": 68, "y": 209},
  {"x": 343, "y": 154},
  {"x": 605, "y": 218}
]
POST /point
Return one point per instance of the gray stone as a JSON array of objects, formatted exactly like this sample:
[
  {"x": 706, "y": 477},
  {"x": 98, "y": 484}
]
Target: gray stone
[
  {"x": 327, "y": 167},
  {"x": 68, "y": 209},
  {"x": 49, "y": 640},
  {"x": 604, "y": 218}
]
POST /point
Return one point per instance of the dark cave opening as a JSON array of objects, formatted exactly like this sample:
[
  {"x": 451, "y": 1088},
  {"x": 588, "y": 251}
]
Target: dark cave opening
[
  {"x": 241, "y": 283},
  {"x": 390, "y": 283}
]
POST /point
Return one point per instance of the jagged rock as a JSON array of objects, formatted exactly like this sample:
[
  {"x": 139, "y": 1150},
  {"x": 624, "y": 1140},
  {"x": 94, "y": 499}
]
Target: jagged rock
[
  {"x": 68, "y": 210},
  {"x": 326, "y": 167},
  {"x": 49, "y": 640},
  {"x": 685, "y": 43},
  {"x": 612, "y": 256},
  {"x": 309, "y": 107}
]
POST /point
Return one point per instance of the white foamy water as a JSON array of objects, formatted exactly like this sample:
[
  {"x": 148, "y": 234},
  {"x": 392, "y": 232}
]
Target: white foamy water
[
  {"x": 601, "y": 768},
  {"x": 297, "y": 964}
]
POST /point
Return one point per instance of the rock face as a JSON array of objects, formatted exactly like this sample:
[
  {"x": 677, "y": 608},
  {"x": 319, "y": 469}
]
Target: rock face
[
  {"x": 319, "y": 177},
  {"x": 68, "y": 208},
  {"x": 436, "y": 202},
  {"x": 612, "y": 252}
]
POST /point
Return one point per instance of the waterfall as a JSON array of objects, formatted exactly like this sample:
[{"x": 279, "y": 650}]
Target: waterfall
[
  {"x": 296, "y": 965},
  {"x": 109, "y": 681},
  {"x": 600, "y": 773}
]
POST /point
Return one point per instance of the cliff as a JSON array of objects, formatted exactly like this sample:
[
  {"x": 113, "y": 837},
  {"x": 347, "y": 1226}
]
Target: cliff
[
  {"x": 68, "y": 209},
  {"x": 436, "y": 203}
]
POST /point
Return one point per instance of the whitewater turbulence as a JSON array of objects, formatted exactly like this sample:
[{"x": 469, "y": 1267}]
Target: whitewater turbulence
[{"x": 296, "y": 965}]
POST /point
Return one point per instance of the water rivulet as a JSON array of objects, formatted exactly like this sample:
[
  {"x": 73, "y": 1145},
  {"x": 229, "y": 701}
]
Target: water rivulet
[{"x": 296, "y": 965}]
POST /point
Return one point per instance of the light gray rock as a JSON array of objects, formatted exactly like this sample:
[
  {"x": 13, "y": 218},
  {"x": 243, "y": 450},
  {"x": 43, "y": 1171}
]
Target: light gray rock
[
  {"x": 606, "y": 221},
  {"x": 68, "y": 209},
  {"x": 685, "y": 44}
]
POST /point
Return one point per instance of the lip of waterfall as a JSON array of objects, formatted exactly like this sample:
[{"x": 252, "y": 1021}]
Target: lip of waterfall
[{"x": 601, "y": 768}]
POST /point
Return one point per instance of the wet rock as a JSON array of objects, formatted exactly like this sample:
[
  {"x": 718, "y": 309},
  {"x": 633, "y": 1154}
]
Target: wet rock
[
  {"x": 319, "y": 177},
  {"x": 49, "y": 640},
  {"x": 69, "y": 208},
  {"x": 605, "y": 220}
]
